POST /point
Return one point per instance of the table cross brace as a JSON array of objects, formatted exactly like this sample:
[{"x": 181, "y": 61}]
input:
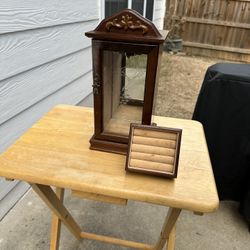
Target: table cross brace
[{"x": 55, "y": 202}]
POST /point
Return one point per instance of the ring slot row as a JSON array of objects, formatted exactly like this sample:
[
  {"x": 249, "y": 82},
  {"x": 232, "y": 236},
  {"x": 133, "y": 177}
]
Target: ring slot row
[
  {"x": 152, "y": 157},
  {"x": 154, "y": 142},
  {"x": 155, "y": 134},
  {"x": 153, "y": 150},
  {"x": 151, "y": 165}
]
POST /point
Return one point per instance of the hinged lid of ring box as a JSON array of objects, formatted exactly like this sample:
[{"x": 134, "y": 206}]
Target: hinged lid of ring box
[{"x": 153, "y": 150}]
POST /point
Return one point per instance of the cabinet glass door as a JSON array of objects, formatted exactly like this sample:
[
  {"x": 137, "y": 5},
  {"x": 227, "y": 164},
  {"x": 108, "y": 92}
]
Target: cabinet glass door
[{"x": 123, "y": 76}]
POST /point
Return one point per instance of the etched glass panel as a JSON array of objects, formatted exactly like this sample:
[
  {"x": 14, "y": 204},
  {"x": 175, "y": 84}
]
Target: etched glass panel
[{"x": 124, "y": 77}]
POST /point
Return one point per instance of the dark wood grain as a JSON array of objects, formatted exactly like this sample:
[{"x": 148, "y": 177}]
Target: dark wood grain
[
  {"x": 159, "y": 168},
  {"x": 129, "y": 33}
]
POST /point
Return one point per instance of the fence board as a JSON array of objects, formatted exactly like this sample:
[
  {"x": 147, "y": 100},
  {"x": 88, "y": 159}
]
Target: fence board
[
  {"x": 214, "y": 22},
  {"x": 213, "y": 25}
]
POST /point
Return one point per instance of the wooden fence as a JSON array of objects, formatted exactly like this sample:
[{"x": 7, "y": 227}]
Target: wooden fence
[{"x": 214, "y": 28}]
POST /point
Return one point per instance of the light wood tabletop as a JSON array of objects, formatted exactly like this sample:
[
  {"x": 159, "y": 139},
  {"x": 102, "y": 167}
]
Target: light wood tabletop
[{"x": 55, "y": 152}]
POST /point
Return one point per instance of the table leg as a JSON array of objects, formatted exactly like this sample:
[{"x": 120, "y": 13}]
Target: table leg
[
  {"x": 49, "y": 197},
  {"x": 168, "y": 230},
  {"x": 56, "y": 224},
  {"x": 171, "y": 239}
]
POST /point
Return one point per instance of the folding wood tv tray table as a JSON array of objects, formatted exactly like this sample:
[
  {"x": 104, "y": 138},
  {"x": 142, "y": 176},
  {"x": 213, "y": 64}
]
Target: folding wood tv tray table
[{"x": 55, "y": 152}]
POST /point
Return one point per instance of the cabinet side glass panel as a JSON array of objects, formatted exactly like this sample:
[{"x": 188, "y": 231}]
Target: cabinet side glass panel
[{"x": 124, "y": 76}]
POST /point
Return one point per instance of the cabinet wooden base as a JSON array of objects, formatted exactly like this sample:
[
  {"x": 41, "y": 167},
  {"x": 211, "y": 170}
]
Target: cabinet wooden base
[{"x": 108, "y": 146}]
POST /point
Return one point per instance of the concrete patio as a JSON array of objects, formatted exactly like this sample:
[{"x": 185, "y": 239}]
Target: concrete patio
[{"x": 27, "y": 226}]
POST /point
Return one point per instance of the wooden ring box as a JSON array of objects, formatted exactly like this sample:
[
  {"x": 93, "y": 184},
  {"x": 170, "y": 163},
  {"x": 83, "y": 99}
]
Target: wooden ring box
[{"x": 153, "y": 150}]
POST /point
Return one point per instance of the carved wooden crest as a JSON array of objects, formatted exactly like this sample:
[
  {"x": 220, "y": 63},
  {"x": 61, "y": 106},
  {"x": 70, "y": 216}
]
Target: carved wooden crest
[{"x": 127, "y": 25}]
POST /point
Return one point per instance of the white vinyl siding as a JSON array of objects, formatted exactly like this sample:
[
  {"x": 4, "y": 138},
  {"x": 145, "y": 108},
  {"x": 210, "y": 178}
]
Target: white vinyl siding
[
  {"x": 159, "y": 13},
  {"x": 45, "y": 59}
]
